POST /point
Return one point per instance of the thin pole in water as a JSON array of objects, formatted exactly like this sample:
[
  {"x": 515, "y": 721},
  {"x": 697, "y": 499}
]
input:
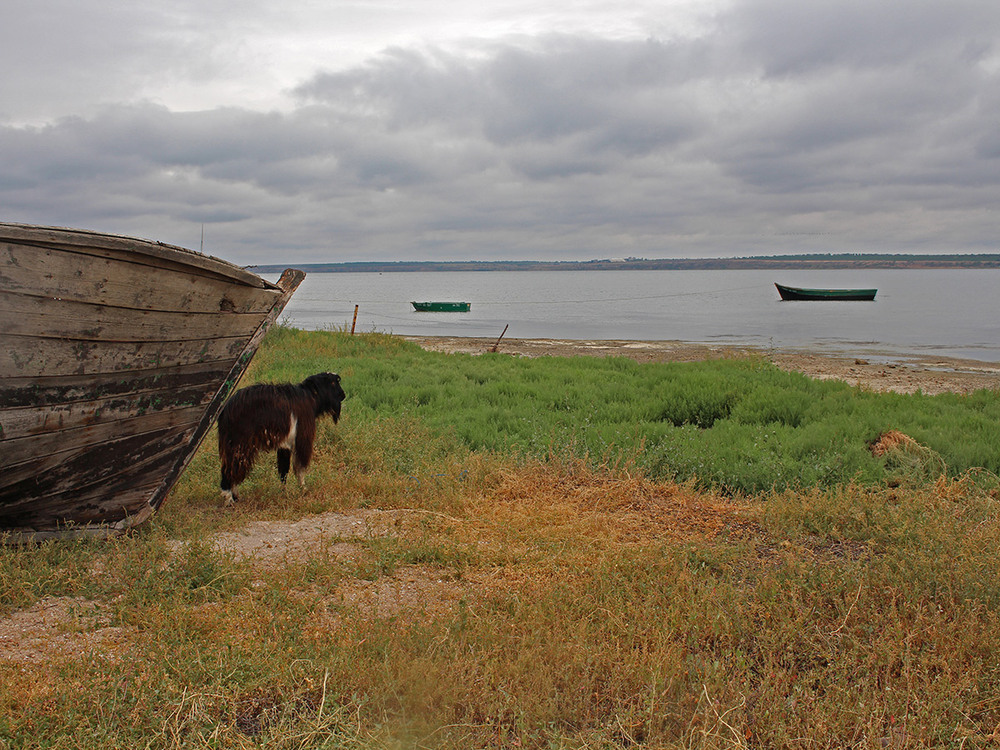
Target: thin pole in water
[
  {"x": 496, "y": 346},
  {"x": 355, "y": 321}
]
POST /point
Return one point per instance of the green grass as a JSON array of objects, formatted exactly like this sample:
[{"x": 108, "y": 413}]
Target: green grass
[
  {"x": 740, "y": 424},
  {"x": 541, "y": 581}
]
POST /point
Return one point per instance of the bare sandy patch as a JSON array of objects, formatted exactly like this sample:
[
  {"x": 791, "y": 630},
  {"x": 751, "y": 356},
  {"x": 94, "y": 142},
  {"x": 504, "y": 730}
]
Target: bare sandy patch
[
  {"x": 267, "y": 542},
  {"x": 411, "y": 588},
  {"x": 60, "y": 627}
]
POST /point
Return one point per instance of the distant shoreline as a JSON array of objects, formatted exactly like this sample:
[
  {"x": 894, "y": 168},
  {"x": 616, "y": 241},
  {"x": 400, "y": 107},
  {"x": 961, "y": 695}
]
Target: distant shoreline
[{"x": 810, "y": 262}]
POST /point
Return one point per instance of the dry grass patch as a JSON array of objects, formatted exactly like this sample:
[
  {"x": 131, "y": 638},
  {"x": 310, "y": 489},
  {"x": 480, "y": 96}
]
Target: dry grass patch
[
  {"x": 559, "y": 503},
  {"x": 548, "y": 605}
]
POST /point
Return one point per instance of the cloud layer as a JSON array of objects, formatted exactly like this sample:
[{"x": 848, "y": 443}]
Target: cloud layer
[{"x": 771, "y": 126}]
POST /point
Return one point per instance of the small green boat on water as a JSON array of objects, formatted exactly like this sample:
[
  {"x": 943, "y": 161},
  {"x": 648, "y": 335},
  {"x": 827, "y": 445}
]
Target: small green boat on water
[
  {"x": 828, "y": 295},
  {"x": 441, "y": 306}
]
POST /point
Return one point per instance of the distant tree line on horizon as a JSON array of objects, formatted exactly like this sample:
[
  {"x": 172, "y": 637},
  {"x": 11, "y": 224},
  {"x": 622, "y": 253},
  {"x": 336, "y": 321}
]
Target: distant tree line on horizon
[{"x": 806, "y": 261}]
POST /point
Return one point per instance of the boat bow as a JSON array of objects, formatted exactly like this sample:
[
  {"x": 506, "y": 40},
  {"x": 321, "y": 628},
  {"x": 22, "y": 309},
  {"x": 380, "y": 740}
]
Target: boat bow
[{"x": 116, "y": 355}]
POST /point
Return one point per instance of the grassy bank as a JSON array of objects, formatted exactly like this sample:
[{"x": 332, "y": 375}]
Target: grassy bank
[
  {"x": 519, "y": 568},
  {"x": 739, "y": 424}
]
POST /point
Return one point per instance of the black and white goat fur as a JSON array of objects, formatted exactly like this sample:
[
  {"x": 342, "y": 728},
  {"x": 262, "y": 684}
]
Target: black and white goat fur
[{"x": 274, "y": 417}]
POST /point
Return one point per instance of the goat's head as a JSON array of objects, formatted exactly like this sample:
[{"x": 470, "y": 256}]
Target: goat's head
[{"x": 327, "y": 391}]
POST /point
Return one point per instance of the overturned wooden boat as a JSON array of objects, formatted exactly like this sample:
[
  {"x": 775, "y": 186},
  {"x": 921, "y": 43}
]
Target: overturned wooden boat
[
  {"x": 116, "y": 355},
  {"x": 805, "y": 295},
  {"x": 441, "y": 306}
]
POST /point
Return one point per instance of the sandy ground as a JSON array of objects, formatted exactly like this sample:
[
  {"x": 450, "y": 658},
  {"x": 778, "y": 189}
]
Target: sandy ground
[
  {"x": 60, "y": 627},
  {"x": 931, "y": 375}
]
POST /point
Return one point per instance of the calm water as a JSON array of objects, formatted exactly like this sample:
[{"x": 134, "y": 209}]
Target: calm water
[{"x": 952, "y": 313}]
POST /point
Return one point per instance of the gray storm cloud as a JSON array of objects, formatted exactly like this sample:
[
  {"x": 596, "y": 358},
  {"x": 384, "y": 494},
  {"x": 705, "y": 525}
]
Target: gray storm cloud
[{"x": 779, "y": 127}]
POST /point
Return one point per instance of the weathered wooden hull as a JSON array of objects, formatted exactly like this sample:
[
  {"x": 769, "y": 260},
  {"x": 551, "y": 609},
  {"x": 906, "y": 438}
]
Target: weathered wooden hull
[
  {"x": 441, "y": 306},
  {"x": 116, "y": 355},
  {"x": 828, "y": 295}
]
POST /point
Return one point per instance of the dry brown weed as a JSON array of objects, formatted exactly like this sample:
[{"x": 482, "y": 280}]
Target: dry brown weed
[{"x": 891, "y": 440}]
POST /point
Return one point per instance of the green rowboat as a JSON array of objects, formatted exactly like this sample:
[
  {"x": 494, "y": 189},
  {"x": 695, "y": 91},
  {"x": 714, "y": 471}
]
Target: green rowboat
[
  {"x": 441, "y": 306},
  {"x": 828, "y": 295}
]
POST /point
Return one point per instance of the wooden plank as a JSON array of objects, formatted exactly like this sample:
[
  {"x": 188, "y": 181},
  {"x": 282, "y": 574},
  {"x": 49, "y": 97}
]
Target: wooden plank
[
  {"x": 23, "y": 451},
  {"x": 47, "y": 390},
  {"x": 155, "y": 254},
  {"x": 135, "y": 516},
  {"x": 32, "y": 421},
  {"x": 57, "y": 518},
  {"x": 107, "y": 502},
  {"x": 21, "y": 356},
  {"x": 39, "y": 316},
  {"x": 57, "y": 273},
  {"x": 86, "y": 477}
]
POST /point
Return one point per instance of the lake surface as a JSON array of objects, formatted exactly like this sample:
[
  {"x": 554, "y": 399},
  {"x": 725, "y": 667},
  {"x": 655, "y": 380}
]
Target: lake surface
[{"x": 951, "y": 313}]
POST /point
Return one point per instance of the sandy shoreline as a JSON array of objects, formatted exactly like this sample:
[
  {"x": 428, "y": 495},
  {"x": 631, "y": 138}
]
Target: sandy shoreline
[{"x": 902, "y": 374}]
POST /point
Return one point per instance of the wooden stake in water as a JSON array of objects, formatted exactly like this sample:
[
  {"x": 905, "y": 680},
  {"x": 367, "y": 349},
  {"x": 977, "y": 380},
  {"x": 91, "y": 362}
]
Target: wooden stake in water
[
  {"x": 355, "y": 321},
  {"x": 496, "y": 346}
]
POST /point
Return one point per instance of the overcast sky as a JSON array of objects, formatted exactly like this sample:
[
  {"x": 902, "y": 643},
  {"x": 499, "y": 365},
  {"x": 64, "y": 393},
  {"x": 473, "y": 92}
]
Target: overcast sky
[{"x": 314, "y": 130}]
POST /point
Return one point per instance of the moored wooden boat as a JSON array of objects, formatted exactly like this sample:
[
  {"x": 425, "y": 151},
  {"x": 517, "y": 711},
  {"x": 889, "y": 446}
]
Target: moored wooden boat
[
  {"x": 800, "y": 294},
  {"x": 116, "y": 355},
  {"x": 441, "y": 306}
]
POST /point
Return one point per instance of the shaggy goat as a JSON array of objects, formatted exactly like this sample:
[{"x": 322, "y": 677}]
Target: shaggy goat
[{"x": 274, "y": 417}]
